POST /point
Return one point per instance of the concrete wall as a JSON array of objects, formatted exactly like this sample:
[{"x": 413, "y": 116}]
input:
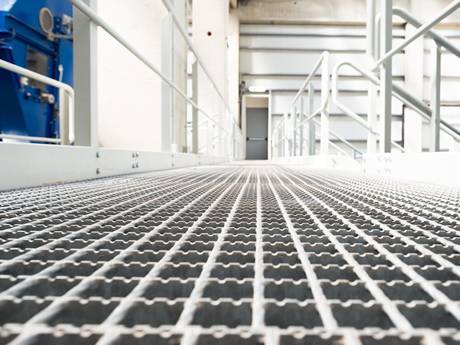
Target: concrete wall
[
  {"x": 328, "y": 10},
  {"x": 129, "y": 93},
  {"x": 305, "y": 10}
]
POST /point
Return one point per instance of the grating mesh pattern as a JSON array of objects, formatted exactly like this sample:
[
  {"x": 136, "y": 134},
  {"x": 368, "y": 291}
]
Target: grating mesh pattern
[{"x": 231, "y": 255}]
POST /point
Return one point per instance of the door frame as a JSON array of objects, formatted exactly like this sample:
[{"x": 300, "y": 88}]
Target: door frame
[{"x": 244, "y": 107}]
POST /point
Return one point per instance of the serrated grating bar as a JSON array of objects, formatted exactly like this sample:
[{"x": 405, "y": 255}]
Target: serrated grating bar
[{"x": 233, "y": 254}]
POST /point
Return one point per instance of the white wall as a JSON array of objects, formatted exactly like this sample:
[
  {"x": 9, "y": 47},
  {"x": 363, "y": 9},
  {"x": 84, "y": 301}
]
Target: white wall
[
  {"x": 234, "y": 64},
  {"x": 129, "y": 94},
  {"x": 210, "y": 32}
]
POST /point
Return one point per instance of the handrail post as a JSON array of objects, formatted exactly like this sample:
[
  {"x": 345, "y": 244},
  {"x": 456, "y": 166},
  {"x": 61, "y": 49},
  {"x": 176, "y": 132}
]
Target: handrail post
[
  {"x": 195, "y": 110},
  {"x": 325, "y": 91},
  {"x": 451, "y": 8},
  {"x": 294, "y": 130},
  {"x": 435, "y": 122},
  {"x": 372, "y": 90},
  {"x": 286, "y": 138},
  {"x": 311, "y": 123},
  {"x": 301, "y": 127},
  {"x": 66, "y": 104},
  {"x": 386, "y": 75}
]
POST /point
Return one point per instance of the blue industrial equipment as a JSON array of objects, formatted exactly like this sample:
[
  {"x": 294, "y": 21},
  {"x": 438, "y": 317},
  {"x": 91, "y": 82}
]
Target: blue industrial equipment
[{"x": 37, "y": 35}]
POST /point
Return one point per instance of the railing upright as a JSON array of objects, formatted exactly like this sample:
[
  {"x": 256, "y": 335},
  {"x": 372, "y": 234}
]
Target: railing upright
[
  {"x": 434, "y": 113},
  {"x": 311, "y": 123},
  {"x": 217, "y": 127}
]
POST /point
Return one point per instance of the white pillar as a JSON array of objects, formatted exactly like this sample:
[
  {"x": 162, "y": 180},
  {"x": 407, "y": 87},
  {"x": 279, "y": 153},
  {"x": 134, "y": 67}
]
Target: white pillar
[
  {"x": 173, "y": 65},
  {"x": 85, "y": 78},
  {"x": 435, "y": 123},
  {"x": 372, "y": 89},
  {"x": 325, "y": 90},
  {"x": 386, "y": 75},
  {"x": 413, "y": 73},
  {"x": 210, "y": 30}
]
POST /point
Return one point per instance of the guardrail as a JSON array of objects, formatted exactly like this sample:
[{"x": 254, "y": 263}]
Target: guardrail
[
  {"x": 422, "y": 29},
  {"x": 289, "y": 143},
  {"x": 66, "y": 107},
  {"x": 433, "y": 113},
  {"x": 292, "y": 143},
  {"x": 232, "y": 134}
]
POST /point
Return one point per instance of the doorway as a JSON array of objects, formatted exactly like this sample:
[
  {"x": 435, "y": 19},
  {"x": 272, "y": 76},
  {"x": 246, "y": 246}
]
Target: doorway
[{"x": 257, "y": 133}]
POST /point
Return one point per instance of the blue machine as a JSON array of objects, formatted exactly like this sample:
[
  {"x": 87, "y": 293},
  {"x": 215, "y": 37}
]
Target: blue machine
[{"x": 37, "y": 35}]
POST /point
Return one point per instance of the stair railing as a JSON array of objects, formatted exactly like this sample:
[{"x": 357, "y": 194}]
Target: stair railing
[
  {"x": 291, "y": 142},
  {"x": 288, "y": 136},
  {"x": 432, "y": 113}
]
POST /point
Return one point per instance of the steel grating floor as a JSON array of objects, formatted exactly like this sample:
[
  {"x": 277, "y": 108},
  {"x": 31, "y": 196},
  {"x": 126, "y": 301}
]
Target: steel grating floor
[{"x": 231, "y": 255}]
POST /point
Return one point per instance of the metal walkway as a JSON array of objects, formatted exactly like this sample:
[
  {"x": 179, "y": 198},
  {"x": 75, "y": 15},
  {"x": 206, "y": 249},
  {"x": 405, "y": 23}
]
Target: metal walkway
[{"x": 231, "y": 255}]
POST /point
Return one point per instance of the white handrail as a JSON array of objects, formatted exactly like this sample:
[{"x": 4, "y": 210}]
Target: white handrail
[
  {"x": 344, "y": 108},
  {"x": 66, "y": 120},
  {"x": 440, "y": 39},
  {"x": 398, "y": 92},
  {"x": 324, "y": 59},
  {"x": 94, "y": 17},
  {"x": 432, "y": 114},
  {"x": 436, "y": 36},
  {"x": 324, "y": 56},
  {"x": 341, "y": 139},
  {"x": 30, "y": 138},
  {"x": 198, "y": 57},
  {"x": 308, "y": 118},
  {"x": 452, "y": 7}
]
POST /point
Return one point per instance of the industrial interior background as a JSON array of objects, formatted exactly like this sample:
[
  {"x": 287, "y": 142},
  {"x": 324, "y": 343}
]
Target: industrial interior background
[{"x": 230, "y": 172}]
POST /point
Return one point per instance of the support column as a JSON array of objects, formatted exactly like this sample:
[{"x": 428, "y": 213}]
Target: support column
[
  {"x": 167, "y": 94},
  {"x": 413, "y": 73},
  {"x": 435, "y": 123},
  {"x": 325, "y": 91},
  {"x": 210, "y": 30},
  {"x": 173, "y": 65},
  {"x": 270, "y": 127},
  {"x": 372, "y": 89},
  {"x": 85, "y": 78},
  {"x": 194, "y": 110},
  {"x": 386, "y": 75},
  {"x": 301, "y": 126}
]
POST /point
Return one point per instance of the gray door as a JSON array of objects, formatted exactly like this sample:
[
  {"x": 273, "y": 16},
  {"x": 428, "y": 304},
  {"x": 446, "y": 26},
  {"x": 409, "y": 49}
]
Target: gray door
[{"x": 257, "y": 133}]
